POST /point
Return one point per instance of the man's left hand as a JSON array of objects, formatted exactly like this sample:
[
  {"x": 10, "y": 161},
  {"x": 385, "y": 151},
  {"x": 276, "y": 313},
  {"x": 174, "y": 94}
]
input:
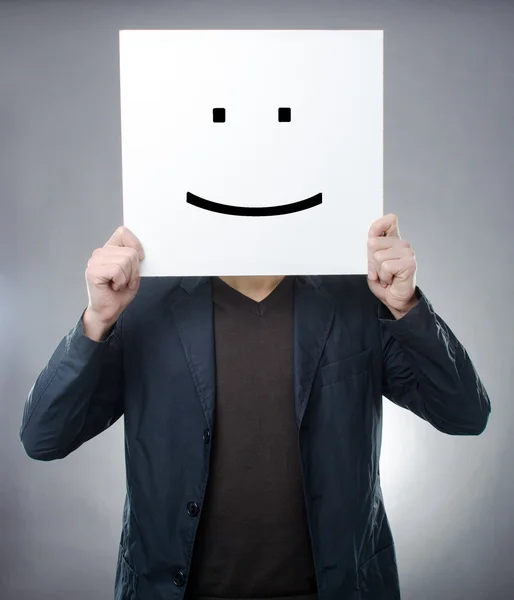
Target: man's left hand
[{"x": 391, "y": 266}]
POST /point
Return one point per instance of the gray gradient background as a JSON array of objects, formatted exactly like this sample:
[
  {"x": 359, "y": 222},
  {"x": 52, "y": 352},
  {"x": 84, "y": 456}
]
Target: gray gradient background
[{"x": 449, "y": 175}]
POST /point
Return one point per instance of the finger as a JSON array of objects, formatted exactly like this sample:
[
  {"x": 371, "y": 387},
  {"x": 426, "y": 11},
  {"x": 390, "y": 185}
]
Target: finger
[
  {"x": 386, "y": 272},
  {"x": 120, "y": 279},
  {"x": 104, "y": 261},
  {"x": 385, "y": 243},
  {"x": 372, "y": 272},
  {"x": 392, "y": 253},
  {"x": 125, "y": 265},
  {"x": 390, "y": 269},
  {"x": 124, "y": 254},
  {"x": 104, "y": 274},
  {"x": 395, "y": 245},
  {"x": 128, "y": 258},
  {"x": 385, "y": 226},
  {"x": 124, "y": 237}
]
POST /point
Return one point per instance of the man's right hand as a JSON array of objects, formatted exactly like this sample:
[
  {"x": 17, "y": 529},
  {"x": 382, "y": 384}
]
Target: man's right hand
[{"x": 112, "y": 279}]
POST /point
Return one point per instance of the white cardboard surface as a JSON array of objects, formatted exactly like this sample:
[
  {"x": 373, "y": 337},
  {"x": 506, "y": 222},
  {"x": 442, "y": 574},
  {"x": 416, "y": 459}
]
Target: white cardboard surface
[{"x": 333, "y": 83}]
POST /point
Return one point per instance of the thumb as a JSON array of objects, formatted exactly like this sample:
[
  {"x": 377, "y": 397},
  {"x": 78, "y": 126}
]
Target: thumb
[{"x": 123, "y": 237}]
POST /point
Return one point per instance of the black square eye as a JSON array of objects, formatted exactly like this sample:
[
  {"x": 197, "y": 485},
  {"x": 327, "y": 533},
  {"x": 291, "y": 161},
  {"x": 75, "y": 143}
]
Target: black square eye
[
  {"x": 218, "y": 115},
  {"x": 284, "y": 114}
]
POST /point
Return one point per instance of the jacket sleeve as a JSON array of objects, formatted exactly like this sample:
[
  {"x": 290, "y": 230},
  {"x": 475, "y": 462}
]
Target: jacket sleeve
[
  {"x": 77, "y": 395},
  {"x": 428, "y": 371}
]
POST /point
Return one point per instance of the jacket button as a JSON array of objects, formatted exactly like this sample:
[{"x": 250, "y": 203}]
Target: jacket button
[
  {"x": 193, "y": 509},
  {"x": 179, "y": 579},
  {"x": 206, "y": 436}
]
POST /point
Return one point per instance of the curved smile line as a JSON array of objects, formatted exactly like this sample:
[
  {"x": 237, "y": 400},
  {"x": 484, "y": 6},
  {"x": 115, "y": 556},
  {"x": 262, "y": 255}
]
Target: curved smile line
[{"x": 254, "y": 211}]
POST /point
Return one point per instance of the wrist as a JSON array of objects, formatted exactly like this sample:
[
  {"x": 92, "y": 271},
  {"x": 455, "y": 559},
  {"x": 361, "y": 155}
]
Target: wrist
[
  {"x": 398, "y": 313},
  {"x": 96, "y": 327}
]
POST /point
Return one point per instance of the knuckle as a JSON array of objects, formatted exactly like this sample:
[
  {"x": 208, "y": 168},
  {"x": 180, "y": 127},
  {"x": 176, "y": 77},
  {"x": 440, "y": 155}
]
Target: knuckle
[
  {"x": 126, "y": 263},
  {"x": 132, "y": 253}
]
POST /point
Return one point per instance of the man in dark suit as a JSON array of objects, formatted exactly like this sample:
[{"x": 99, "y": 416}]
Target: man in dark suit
[{"x": 253, "y": 414}]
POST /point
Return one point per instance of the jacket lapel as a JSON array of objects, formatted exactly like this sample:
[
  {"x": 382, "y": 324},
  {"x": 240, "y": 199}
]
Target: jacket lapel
[
  {"x": 193, "y": 314},
  {"x": 313, "y": 316}
]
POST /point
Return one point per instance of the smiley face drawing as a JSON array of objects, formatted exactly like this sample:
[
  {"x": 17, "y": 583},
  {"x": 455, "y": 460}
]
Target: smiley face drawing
[{"x": 284, "y": 115}]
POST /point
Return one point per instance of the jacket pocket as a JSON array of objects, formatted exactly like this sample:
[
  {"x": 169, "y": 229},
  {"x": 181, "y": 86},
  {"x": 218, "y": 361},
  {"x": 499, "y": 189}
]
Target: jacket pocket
[
  {"x": 126, "y": 579},
  {"x": 347, "y": 367},
  {"x": 378, "y": 576}
]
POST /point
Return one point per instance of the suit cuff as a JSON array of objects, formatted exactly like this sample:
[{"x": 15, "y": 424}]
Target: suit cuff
[
  {"x": 415, "y": 319},
  {"x": 84, "y": 344}
]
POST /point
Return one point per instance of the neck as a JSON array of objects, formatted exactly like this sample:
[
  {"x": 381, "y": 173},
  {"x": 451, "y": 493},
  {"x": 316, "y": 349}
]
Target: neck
[{"x": 255, "y": 287}]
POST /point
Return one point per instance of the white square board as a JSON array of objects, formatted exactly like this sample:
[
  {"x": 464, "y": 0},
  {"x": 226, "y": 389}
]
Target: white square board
[{"x": 207, "y": 196}]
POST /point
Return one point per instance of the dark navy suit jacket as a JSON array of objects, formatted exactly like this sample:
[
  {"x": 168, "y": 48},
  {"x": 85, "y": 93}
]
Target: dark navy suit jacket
[{"x": 157, "y": 370}]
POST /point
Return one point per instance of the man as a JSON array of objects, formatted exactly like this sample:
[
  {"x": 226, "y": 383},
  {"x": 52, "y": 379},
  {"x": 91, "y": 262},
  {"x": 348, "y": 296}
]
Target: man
[{"x": 252, "y": 410}]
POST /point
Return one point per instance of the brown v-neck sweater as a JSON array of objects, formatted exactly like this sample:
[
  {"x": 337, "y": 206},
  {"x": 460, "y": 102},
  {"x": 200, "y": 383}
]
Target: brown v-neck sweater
[{"x": 253, "y": 539}]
